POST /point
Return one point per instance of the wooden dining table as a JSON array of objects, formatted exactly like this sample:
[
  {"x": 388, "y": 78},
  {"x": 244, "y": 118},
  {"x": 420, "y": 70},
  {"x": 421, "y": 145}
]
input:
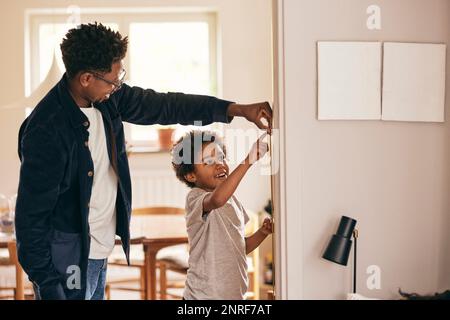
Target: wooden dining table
[
  {"x": 151, "y": 246},
  {"x": 8, "y": 242}
]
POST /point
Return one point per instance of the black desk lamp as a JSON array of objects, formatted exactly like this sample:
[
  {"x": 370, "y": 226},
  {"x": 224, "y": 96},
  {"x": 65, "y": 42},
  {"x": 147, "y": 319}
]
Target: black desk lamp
[{"x": 340, "y": 245}]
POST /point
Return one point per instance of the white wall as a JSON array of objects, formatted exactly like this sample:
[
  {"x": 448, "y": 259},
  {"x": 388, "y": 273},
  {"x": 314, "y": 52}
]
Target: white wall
[
  {"x": 393, "y": 177},
  {"x": 245, "y": 39}
]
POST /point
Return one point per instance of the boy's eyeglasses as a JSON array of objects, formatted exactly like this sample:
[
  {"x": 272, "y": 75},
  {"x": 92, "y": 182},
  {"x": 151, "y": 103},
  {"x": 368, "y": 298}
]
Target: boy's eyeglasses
[
  {"x": 117, "y": 85},
  {"x": 221, "y": 158}
]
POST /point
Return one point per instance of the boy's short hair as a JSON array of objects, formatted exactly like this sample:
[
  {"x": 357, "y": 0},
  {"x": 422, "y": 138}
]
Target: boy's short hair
[{"x": 186, "y": 151}]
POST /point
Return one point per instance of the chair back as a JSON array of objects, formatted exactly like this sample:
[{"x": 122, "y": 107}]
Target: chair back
[{"x": 158, "y": 222}]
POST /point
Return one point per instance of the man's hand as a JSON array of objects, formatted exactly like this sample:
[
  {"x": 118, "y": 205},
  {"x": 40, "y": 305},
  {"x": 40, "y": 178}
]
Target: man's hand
[
  {"x": 259, "y": 149},
  {"x": 256, "y": 113}
]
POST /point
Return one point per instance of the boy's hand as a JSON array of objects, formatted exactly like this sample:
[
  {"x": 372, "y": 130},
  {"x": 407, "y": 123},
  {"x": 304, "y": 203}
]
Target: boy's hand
[
  {"x": 267, "y": 227},
  {"x": 259, "y": 149}
]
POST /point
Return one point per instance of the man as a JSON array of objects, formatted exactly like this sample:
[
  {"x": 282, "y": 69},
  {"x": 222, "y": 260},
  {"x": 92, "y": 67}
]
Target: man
[{"x": 74, "y": 190}]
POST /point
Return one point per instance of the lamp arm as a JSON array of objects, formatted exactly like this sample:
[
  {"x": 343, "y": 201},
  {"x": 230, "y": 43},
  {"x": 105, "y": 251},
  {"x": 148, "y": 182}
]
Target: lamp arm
[{"x": 355, "y": 236}]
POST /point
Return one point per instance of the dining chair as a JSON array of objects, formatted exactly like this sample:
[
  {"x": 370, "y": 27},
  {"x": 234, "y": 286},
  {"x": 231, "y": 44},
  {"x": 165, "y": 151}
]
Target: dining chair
[{"x": 157, "y": 221}]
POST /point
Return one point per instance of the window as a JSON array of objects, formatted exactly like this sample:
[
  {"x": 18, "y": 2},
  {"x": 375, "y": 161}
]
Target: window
[
  {"x": 49, "y": 39},
  {"x": 168, "y": 52},
  {"x": 169, "y": 57}
]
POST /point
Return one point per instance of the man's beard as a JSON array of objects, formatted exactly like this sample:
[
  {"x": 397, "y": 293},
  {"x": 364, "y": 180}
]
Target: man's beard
[{"x": 104, "y": 98}]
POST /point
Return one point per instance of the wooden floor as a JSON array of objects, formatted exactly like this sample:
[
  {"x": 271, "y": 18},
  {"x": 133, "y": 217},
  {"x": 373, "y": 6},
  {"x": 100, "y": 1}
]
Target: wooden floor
[{"x": 128, "y": 295}]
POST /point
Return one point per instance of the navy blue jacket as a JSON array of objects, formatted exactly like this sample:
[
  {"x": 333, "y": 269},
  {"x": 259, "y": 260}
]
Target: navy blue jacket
[{"x": 57, "y": 172}]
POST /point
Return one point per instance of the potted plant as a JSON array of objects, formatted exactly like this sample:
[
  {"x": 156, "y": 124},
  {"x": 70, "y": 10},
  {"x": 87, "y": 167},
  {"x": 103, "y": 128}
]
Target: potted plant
[{"x": 166, "y": 136}]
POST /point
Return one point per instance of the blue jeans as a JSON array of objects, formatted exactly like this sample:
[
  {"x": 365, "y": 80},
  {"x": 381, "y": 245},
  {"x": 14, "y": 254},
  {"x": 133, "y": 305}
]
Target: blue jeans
[{"x": 96, "y": 279}]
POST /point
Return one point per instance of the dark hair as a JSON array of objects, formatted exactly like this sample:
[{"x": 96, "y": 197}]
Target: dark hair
[
  {"x": 93, "y": 47},
  {"x": 182, "y": 162}
]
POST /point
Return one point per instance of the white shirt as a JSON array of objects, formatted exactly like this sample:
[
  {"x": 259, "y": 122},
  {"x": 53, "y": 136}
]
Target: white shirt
[{"x": 102, "y": 205}]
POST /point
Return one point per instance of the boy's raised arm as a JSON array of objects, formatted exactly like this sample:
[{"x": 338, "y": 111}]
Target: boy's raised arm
[{"x": 224, "y": 191}]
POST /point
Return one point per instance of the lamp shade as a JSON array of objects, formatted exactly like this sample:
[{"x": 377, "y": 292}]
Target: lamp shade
[
  {"x": 340, "y": 244},
  {"x": 53, "y": 76}
]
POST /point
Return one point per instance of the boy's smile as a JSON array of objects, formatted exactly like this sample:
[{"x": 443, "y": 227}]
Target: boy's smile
[{"x": 222, "y": 176}]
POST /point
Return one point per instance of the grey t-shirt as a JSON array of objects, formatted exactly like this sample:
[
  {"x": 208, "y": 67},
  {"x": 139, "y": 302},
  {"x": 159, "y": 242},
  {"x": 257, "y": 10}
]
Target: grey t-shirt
[{"x": 217, "y": 259}]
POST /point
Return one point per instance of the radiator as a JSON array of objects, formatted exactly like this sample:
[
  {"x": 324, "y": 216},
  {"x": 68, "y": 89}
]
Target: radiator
[{"x": 157, "y": 188}]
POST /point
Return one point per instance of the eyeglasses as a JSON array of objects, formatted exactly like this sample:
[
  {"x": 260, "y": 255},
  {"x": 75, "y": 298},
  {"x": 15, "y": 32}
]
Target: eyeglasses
[{"x": 117, "y": 85}]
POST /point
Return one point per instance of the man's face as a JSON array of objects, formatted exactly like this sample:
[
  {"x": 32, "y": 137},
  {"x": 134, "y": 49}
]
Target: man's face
[{"x": 101, "y": 85}]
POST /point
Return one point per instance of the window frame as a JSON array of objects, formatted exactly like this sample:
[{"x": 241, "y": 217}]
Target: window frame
[{"x": 123, "y": 17}]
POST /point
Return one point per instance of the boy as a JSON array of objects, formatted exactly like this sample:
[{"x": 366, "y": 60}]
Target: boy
[{"x": 215, "y": 219}]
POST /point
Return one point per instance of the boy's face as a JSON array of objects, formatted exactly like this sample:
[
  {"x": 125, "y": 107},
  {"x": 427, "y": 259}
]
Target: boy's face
[{"x": 211, "y": 169}]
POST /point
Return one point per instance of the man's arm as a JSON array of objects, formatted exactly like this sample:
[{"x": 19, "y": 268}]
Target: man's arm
[
  {"x": 225, "y": 190},
  {"x": 41, "y": 172},
  {"x": 146, "y": 107}
]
